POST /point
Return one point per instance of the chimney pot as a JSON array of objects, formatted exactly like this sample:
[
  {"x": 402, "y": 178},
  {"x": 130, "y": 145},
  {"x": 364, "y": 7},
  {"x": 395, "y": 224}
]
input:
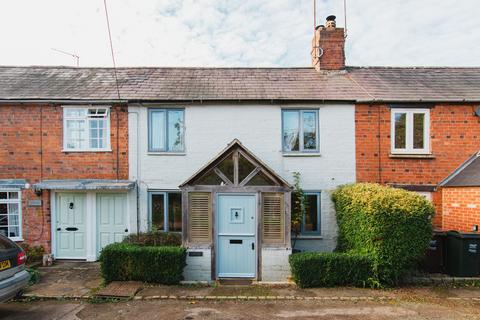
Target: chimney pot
[{"x": 331, "y": 23}]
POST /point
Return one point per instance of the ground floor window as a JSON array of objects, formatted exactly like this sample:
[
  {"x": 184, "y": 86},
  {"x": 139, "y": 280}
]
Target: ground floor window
[
  {"x": 165, "y": 210},
  {"x": 311, "y": 219},
  {"x": 11, "y": 214}
]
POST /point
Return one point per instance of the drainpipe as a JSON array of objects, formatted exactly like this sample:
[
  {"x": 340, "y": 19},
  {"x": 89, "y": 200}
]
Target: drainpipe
[{"x": 137, "y": 116}]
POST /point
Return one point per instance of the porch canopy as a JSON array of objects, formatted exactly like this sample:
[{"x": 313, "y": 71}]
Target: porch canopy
[
  {"x": 84, "y": 184},
  {"x": 236, "y": 170}
]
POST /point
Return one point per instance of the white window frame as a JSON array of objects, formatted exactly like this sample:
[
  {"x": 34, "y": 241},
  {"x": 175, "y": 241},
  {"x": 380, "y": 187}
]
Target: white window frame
[
  {"x": 166, "y": 227},
  {"x": 20, "y": 220},
  {"x": 107, "y": 147},
  {"x": 409, "y": 131},
  {"x": 301, "y": 149}
]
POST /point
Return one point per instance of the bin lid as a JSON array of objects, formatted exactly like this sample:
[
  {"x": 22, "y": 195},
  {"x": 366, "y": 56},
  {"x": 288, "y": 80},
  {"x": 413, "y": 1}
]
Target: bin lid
[{"x": 465, "y": 235}]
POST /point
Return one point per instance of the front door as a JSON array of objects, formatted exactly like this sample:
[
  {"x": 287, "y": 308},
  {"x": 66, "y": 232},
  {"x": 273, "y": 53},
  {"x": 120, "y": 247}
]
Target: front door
[
  {"x": 112, "y": 219},
  {"x": 70, "y": 226},
  {"x": 236, "y": 241}
]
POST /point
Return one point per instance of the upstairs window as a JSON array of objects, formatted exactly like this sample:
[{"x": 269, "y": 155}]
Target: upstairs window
[
  {"x": 300, "y": 131},
  {"x": 166, "y": 130},
  {"x": 410, "y": 131},
  {"x": 86, "y": 129},
  {"x": 11, "y": 215}
]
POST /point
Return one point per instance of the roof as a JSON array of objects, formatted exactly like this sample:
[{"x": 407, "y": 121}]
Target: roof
[
  {"x": 85, "y": 184},
  {"x": 236, "y": 145},
  {"x": 240, "y": 84},
  {"x": 12, "y": 183},
  {"x": 467, "y": 175}
]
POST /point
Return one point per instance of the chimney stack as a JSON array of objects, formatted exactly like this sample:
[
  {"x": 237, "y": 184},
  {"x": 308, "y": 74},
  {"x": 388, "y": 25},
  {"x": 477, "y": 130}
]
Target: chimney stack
[{"x": 328, "y": 46}]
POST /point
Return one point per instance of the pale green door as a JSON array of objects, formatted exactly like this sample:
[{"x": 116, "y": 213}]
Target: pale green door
[
  {"x": 111, "y": 219},
  {"x": 70, "y": 226}
]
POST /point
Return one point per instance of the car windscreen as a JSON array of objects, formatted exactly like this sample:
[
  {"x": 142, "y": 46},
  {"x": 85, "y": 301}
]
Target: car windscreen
[{"x": 6, "y": 245}]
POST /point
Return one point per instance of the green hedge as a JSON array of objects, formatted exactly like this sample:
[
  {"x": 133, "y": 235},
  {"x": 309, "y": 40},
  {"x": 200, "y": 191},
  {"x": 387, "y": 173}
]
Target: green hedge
[
  {"x": 125, "y": 262},
  {"x": 392, "y": 226},
  {"x": 315, "y": 269},
  {"x": 155, "y": 238}
]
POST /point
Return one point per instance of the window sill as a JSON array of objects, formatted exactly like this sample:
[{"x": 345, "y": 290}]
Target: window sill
[
  {"x": 300, "y": 154},
  {"x": 309, "y": 237},
  {"x": 152, "y": 153},
  {"x": 86, "y": 150},
  {"x": 16, "y": 239},
  {"x": 412, "y": 155}
]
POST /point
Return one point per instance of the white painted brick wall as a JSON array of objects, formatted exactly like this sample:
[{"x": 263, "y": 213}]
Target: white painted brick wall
[
  {"x": 198, "y": 268},
  {"x": 275, "y": 266}
]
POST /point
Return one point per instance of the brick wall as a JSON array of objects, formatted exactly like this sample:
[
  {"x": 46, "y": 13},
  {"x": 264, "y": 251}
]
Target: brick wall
[
  {"x": 455, "y": 136},
  {"x": 32, "y": 140},
  {"x": 461, "y": 208},
  {"x": 332, "y": 43}
]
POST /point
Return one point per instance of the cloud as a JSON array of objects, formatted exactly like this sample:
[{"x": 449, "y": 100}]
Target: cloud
[{"x": 236, "y": 32}]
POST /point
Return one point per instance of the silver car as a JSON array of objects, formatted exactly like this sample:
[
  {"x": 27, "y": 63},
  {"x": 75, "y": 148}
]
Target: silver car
[{"x": 13, "y": 276}]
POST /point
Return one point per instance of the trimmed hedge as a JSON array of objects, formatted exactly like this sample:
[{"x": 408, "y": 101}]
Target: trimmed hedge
[
  {"x": 126, "y": 262},
  {"x": 392, "y": 226},
  {"x": 155, "y": 238},
  {"x": 315, "y": 269}
]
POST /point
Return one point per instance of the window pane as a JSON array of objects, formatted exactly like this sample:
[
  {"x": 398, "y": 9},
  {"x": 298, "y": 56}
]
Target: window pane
[
  {"x": 4, "y": 231},
  {"x": 13, "y": 231},
  {"x": 3, "y": 220},
  {"x": 13, "y": 195},
  {"x": 226, "y": 166},
  {"x": 175, "y": 211},
  {"x": 311, "y": 217},
  {"x": 76, "y": 134},
  {"x": 97, "y": 133},
  {"x": 158, "y": 211},
  {"x": 291, "y": 130},
  {"x": 259, "y": 179},
  {"x": 69, "y": 112},
  {"x": 400, "y": 130},
  {"x": 3, "y": 195},
  {"x": 245, "y": 167},
  {"x": 210, "y": 179},
  {"x": 418, "y": 130},
  {"x": 13, "y": 208},
  {"x": 3, "y": 208},
  {"x": 157, "y": 130},
  {"x": 309, "y": 130},
  {"x": 175, "y": 130}
]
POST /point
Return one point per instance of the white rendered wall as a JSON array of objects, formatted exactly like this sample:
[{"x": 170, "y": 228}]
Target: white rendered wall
[
  {"x": 209, "y": 128},
  {"x": 275, "y": 266},
  {"x": 199, "y": 268}
]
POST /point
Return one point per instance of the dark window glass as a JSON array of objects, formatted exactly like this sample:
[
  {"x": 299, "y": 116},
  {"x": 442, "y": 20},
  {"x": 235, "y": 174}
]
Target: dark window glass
[
  {"x": 158, "y": 211},
  {"x": 5, "y": 245},
  {"x": 418, "y": 130},
  {"x": 175, "y": 211},
  {"x": 259, "y": 179},
  {"x": 210, "y": 179},
  {"x": 245, "y": 167},
  {"x": 3, "y": 195},
  {"x": 400, "y": 130},
  {"x": 226, "y": 166},
  {"x": 311, "y": 217}
]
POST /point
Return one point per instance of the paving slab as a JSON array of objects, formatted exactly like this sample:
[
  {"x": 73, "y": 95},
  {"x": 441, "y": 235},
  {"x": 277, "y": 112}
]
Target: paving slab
[{"x": 70, "y": 279}]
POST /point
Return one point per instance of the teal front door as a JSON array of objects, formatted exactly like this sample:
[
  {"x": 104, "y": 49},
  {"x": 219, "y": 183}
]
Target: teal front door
[
  {"x": 111, "y": 219},
  {"x": 70, "y": 226},
  {"x": 236, "y": 236}
]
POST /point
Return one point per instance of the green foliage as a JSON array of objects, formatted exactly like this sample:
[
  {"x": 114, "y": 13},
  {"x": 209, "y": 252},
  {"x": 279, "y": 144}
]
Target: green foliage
[
  {"x": 34, "y": 276},
  {"x": 131, "y": 262},
  {"x": 392, "y": 226},
  {"x": 315, "y": 269},
  {"x": 299, "y": 206},
  {"x": 34, "y": 253},
  {"x": 155, "y": 238}
]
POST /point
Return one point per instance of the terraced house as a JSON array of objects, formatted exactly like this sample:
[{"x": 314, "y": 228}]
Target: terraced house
[{"x": 211, "y": 153}]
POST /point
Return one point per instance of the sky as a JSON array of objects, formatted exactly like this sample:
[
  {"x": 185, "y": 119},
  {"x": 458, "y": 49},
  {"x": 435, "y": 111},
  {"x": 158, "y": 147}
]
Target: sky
[{"x": 237, "y": 33}]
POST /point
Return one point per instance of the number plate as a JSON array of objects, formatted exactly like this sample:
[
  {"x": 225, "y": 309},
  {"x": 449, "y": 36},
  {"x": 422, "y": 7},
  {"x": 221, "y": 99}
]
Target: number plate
[{"x": 5, "y": 264}]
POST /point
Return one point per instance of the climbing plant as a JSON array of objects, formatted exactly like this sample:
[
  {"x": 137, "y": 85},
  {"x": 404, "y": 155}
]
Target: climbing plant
[{"x": 299, "y": 207}]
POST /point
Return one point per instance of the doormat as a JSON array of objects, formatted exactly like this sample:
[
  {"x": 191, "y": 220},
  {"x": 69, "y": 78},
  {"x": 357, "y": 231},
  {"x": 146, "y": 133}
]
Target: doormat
[{"x": 120, "y": 289}]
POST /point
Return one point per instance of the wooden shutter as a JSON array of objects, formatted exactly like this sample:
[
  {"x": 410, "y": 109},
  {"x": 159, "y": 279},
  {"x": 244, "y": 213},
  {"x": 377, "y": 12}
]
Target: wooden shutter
[
  {"x": 199, "y": 217},
  {"x": 273, "y": 214}
]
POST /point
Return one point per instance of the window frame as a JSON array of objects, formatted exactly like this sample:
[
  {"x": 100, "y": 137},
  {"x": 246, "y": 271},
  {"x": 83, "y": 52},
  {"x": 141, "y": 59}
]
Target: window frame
[
  {"x": 319, "y": 215},
  {"x": 106, "y": 148},
  {"x": 301, "y": 149},
  {"x": 165, "y": 123},
  {"x": 165, "y": 193},
  {"x": 20, "y": 220},
  {"x": 409, "y": 131}
]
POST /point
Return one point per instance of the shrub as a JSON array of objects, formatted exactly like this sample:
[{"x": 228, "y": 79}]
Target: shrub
[
  {"x": 392, "y": 226},
  {"x": 315, "y": 269},
  {"x": 34, "y": 253},
  {"x": 155, "y": 238},
  {"x": 126, "y": 262}
]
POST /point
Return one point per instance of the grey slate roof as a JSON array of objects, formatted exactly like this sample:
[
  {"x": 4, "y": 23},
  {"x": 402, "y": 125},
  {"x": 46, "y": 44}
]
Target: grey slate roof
[
  {"x": 467, "y": 175},
  {"x": 195, "y": 84}
]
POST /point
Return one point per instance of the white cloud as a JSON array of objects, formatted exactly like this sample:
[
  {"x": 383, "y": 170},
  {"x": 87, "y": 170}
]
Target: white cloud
[{"x": 236, "y": 32}]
